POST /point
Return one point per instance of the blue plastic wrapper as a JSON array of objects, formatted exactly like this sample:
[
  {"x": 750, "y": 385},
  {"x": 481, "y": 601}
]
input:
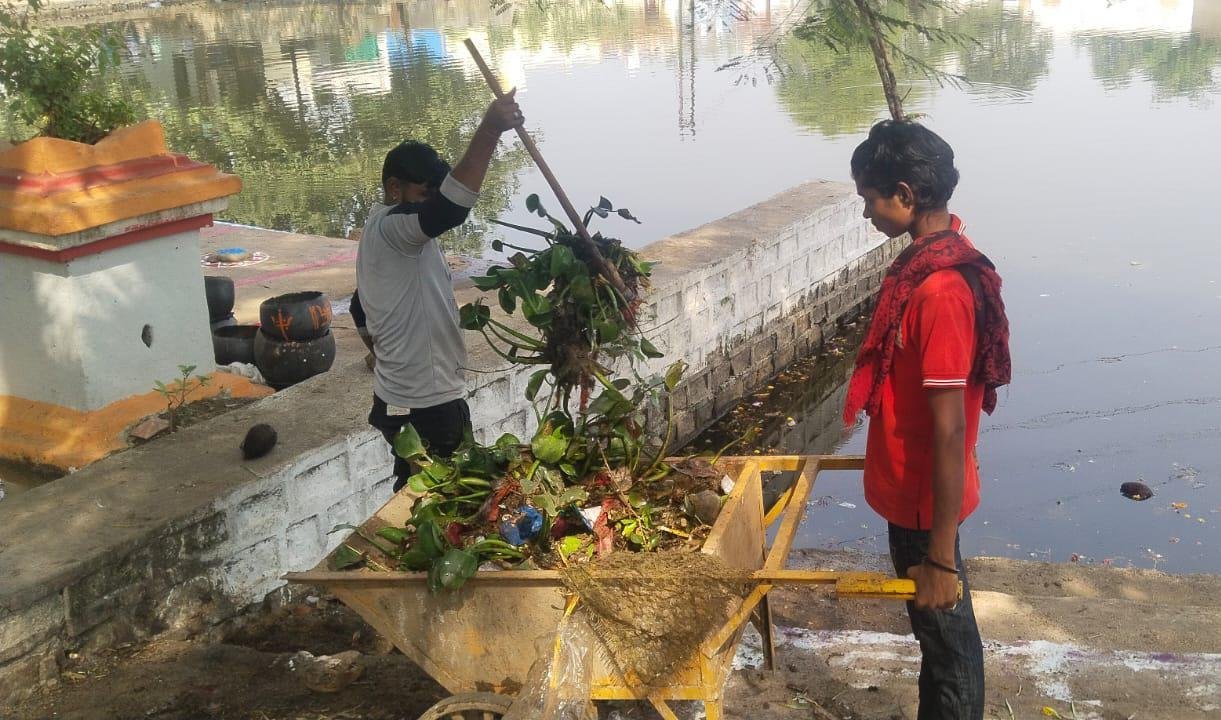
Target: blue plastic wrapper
[{"x": 527, "y": 526}]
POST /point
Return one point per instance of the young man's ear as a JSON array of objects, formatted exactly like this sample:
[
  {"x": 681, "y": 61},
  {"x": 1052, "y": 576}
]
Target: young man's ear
[
  {"x": 394, "y": 191},
  {"x": 905, "y": 195}
]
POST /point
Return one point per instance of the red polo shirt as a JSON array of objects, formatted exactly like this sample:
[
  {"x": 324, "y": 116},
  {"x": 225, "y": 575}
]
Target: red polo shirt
[{"x": 936, "y": 347}]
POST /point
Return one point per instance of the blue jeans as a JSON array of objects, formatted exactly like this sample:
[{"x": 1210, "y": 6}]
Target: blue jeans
[{"x": 952, "y": 654}]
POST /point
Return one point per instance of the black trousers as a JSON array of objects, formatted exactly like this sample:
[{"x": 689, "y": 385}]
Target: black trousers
[
  {"x": 441, "y": 427},
  {"x": 951, "y": 652}
]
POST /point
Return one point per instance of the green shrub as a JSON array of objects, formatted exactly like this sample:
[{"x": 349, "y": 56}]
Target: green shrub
[{"x": 52, "y": 77}]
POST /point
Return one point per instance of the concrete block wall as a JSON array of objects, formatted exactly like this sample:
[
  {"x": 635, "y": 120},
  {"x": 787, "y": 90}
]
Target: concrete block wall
[
  {"x": 180, "y": 534},
  {"x": 197, "y": 568}
]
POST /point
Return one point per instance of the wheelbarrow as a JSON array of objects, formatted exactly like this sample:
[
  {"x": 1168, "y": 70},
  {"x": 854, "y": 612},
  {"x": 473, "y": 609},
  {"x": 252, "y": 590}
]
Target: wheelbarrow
[{"x": 471, "y": 641}]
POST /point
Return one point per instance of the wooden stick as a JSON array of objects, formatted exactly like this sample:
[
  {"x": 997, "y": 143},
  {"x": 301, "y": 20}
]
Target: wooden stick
[{"x": 604, "y": 268}]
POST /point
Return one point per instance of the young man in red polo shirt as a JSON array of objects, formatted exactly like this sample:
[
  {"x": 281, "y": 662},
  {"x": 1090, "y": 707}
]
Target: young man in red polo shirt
[{"x": 936, "y": 351}]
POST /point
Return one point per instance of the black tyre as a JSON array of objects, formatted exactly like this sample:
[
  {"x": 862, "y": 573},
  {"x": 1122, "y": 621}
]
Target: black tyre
[
  {"x": 220, "y": 294},
  {"x": 285, "y": 362},
  {"x": 296, "y": 316},
  {"x": 234, "y": 343}
]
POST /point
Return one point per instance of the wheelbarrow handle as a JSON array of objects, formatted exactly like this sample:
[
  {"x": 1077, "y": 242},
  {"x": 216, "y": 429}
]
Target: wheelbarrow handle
[{"x": 847, "y": 584}]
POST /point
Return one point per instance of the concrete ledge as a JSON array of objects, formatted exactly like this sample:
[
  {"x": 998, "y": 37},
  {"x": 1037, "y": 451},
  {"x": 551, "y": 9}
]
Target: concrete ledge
[
  {"x": 181, "y": 532},
  {"x": 63, "y": 437}
]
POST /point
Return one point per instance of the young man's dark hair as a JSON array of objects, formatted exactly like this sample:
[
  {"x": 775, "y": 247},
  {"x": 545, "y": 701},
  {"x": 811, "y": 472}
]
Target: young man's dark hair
[
  {"x": 937, "y": 349},
  {"x": 907, "y": 152},
  {"x": 415, "y": 162}
]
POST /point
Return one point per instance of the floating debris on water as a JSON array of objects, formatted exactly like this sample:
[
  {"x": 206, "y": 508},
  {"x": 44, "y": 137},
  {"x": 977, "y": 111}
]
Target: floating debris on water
[{"x": 1136, "y": 491}]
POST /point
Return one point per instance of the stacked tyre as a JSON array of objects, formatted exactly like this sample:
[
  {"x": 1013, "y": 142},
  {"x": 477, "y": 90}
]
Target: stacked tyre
[
  {"x": 294, "y": 341},
  {"x": 219, "y": 292}
]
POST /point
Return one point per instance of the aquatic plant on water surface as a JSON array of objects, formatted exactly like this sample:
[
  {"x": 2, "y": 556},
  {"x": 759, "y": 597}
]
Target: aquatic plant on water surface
[{"x": 593, "y": 480}]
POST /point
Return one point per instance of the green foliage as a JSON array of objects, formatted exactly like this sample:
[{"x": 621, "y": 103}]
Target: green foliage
[
  {"x": 580, "y": 332},
  {"x": 178, "y": 391},
  {"x": 52, "y": 77}
]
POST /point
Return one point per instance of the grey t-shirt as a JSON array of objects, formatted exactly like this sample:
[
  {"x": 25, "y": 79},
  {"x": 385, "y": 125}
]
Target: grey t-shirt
[{"x": 407, "y": 293}]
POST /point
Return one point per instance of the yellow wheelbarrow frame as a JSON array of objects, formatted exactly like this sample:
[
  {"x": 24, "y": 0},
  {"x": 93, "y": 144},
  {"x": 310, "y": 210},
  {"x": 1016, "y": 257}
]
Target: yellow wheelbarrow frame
[{"x": 481, "y": 638}]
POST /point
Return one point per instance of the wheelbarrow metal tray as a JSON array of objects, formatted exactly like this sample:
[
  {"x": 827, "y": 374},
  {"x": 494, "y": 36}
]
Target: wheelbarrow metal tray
[{"x": 482, "y": 637}]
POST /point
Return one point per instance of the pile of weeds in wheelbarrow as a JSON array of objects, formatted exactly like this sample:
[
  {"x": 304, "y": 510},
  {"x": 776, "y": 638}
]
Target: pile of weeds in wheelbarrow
[{"x": 592, "y": 480}]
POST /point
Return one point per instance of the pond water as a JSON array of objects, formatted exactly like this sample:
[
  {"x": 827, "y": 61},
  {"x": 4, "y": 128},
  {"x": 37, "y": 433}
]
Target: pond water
[{"x": 1086, "y": 137}]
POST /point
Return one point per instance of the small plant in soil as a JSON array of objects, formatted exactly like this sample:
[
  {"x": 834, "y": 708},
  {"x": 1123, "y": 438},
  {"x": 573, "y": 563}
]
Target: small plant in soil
[
  {"x": 592, "y": 480},
  {"x": 179, "y": 391}
]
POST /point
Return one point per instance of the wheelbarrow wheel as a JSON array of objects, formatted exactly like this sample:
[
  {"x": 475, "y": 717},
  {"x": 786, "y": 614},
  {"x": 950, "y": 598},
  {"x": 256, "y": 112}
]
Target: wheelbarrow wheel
[{"x": 469, "y": 706}]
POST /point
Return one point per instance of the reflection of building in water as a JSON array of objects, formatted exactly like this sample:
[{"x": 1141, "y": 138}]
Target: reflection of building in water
[
  {"x": 686, "y": 69},
  {"x": 314, "y": 62},
  {"x": 1206, "y": 18},
  {"x": 1092, "y": 16}
]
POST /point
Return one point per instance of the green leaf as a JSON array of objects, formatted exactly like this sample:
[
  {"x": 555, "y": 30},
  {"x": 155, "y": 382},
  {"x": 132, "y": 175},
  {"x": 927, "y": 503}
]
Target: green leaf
[
  {"x": 550, "y": 481},
  {"x": 609, "y": 404},
  {"x": 571, "y": 545},
  {"x": 429, "y": 539},
  {"x": 415, "y": 560},
  {"x": 563, "y": 261},
  {"x": 536, "y": 381},
  {"x": 439, "y": 471},
  {"x": 396, "y": 535},
  {"x": 483, "y": 461},
  {"x": 508, "y": 302},
  {"x": 508, "y": 443},
  {"x": 546, "y": 504},
  {"x": 649, "y": 349},
  {"x": 537, "y": 309},
  {"x": 534, "y": 206},
  {"x": 474, "y": 316},
  {"x": 569, "y": 469},
  {"x": 571, "y": 496},
  {"x": 674, "y": 374},
  {"x": 498, "y": 246},
  {"x": 642, "y": 267},
  {"x": 623, "y": 213},
  {"x": 582, "y": 290},
  {"x": 452, "y": 570},
  {"x": 491, "y": 281},
  {"x": 346, "y": 557},
  {"x": 408, "y": 445},
  {"x": 420, "y": 483},
  {"x": 608, "y": 331},
  {"x": 529, "y": 481},
  {"x": 549, "y": 447},
  {"x": 425, "y": 512}
]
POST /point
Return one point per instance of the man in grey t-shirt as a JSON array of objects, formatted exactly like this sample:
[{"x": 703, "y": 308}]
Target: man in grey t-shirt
[{"x": 406, "y": 290}]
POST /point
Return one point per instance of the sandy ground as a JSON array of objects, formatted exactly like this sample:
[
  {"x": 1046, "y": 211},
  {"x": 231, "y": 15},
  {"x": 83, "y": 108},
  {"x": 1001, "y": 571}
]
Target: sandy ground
[{"x": 1094, "y": 642}]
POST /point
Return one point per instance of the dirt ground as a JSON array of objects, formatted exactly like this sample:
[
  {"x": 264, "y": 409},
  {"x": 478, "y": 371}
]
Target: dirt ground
[{"x": 1085, "y": 642}]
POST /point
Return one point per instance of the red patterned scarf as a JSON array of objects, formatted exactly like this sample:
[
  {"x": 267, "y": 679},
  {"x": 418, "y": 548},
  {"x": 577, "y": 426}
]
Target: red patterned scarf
[{"x": 925, "y": 256}]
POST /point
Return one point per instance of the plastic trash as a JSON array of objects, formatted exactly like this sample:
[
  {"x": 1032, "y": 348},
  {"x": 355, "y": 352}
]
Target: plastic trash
[{"x": 519, "y": 530}]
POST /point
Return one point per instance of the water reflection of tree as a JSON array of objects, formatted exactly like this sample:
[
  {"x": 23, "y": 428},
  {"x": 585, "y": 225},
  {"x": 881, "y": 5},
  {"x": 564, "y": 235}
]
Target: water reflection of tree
[
  {"x": 310, "y": 157},
  {"x": 569, "y": 24},
  {"x": 1012, "y": 50},
  {"x": 1177, "y": 66},
  {"x": 835, "y": 93}
]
